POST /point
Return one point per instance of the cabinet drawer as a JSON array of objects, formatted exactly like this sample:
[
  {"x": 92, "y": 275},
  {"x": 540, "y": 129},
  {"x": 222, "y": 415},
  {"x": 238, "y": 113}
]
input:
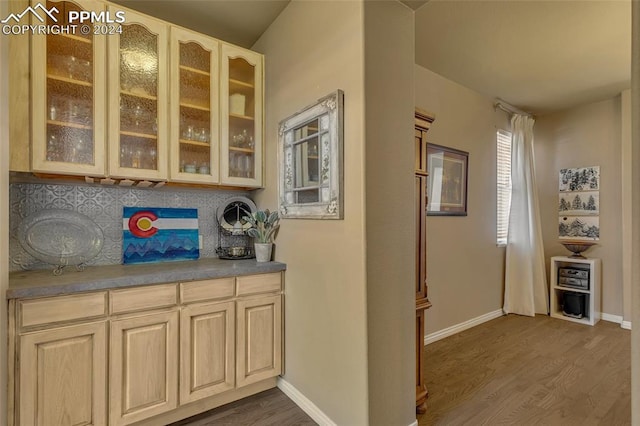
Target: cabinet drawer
[
  {"x": 199, "y": 291},
  {"x": 141, "y": 298},
  {"x": 62, "y": 308},
  {"x": 254, "y": 284}
]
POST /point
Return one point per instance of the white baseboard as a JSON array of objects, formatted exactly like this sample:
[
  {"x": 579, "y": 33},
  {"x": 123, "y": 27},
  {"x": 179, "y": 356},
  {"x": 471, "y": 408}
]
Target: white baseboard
[
  {"x": 449, "y": 331},
  {"x": 309, "y": 407},
  {"x": 611, "y": 318},
  {"x": 305, "y": 403},
  {"x": 617, "y": 319}
]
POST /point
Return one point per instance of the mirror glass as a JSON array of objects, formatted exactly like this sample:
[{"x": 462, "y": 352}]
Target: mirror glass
[{"x": 311, "y": 161}]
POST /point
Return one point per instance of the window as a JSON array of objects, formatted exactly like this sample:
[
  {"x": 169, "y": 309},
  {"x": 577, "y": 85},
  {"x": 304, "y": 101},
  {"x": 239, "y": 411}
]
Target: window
[{"x": 504, "y": 184}]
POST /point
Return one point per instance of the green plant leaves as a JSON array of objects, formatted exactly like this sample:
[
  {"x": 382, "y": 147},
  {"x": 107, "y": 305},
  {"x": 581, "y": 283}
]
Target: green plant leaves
[{"x": 264, "y": 225}]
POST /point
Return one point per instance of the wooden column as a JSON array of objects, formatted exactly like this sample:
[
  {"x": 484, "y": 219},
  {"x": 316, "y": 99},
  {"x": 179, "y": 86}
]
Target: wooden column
[{"x": 422, "y": 123}]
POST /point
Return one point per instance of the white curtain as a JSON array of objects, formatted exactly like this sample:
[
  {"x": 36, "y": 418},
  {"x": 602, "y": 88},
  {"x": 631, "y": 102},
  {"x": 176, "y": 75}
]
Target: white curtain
[{"x": 526, "y": 291}]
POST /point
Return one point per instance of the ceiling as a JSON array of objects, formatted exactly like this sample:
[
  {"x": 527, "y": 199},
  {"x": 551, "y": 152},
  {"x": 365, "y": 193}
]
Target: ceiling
[
  {"x": 240, "y": 22},
  {"x": 540, "y": 56}
]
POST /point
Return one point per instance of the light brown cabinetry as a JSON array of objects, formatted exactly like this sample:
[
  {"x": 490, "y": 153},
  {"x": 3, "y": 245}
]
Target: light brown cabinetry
[
  {"x": 138, "y": 110},
  {"x": 207, "y": 351},
  {"x": 143, "y": 367},
  {"x": 194, "y": 108},
  {"x": 69, "y": 87},
  {"x": 63, "y": 376},
  {"x": 259, "y": 339},
  {"x": 241, "y": 111},
  {"x": 150, "y": 102},
  {"x": 61, "y": 360},
  {"x": 157, "y": 349}
]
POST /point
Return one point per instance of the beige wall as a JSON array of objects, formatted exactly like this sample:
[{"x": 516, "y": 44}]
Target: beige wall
[
  {"x": 635, "y": 213},
  {"x": 4, "y": 211},
  {"x": 588, "y": 135},
  {"x": 390, "y": 218},
  {"x": 626, "y": 196},
  {"x": 465, "y": 268},
  {"x": 312, "y": 49}
]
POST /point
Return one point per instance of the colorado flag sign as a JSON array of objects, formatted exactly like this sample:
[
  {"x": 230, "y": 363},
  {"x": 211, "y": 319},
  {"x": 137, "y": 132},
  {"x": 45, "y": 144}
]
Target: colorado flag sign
[{"x": 155, "y": 234}]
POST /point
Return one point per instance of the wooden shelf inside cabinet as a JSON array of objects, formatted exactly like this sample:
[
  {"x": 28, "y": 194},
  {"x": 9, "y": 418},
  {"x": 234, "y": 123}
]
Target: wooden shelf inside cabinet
[
  {"x": 195, "y": 70},
  {"x": 194, "y": 106},
  {"x": 139, "y": 95},
  {"x": 67, "y": 124},
  {"x": 238, "y": 149},
  {"x": 75, "y": 38},
  {"x": 195, "y": 143},
  {"x": 69, "y": 80},
  {"x": 575, "y": 290},
  {"x": 241, "y": 117},
  {"x": 239, "y": 84},
  {"x": 138, "y": 135}
]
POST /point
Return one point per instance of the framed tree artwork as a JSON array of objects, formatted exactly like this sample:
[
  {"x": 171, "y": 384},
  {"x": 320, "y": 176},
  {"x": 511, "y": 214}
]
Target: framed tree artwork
[{"x": 447, "y": 182}]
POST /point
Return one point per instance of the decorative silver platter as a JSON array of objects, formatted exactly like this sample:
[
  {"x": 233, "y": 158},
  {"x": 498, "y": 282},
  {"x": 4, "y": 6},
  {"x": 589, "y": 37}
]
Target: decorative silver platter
[{"x": 61, "y": 238}]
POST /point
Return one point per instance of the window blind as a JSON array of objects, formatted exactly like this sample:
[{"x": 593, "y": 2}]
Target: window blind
[{"x": 503, "y": 185}]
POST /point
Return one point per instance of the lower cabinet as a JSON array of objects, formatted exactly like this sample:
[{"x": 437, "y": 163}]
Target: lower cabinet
[
  {"x": 207, "y": 350},
  {"x": 161, "y": 351},
  {"x": 144, "y": 367},
  {"x": 63, "y": 376},
  {"x": 259, "y": 339}
]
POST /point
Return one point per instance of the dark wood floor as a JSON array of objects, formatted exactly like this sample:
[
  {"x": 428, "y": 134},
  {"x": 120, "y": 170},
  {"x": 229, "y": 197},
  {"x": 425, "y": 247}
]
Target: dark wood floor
[
  {"x": 268, "y": 408},
  {"x": 518, "y": 370},
  {"x": 510, "y": 371}
]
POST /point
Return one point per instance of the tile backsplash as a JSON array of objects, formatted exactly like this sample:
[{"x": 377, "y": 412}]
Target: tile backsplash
[{"x": 103, "y": 204}]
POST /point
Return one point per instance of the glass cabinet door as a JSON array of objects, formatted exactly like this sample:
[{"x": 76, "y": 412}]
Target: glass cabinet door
[
  {"x": 68, "y": 91},
  {"x": 137, "y": 99},
  {"x": 194, "y": 107},
  {"x": 241, "y": 112}
]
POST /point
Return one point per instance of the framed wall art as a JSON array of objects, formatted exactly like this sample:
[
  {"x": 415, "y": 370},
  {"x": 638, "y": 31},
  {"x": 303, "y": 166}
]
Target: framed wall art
[
  {"x": 447, "y": 182},
  {"x": 579, "y": 203}
]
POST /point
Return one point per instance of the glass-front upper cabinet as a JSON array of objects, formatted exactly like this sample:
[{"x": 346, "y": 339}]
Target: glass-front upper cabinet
[
  {"x": 138, "y": 98},
  {"x": 194, "y": 108},
  {"x": 241, "y": 115},
  {"x": 68, "y": 92}
]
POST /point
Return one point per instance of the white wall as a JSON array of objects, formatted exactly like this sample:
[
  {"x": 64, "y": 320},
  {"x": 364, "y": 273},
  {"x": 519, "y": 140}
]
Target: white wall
[
  {"x": 312, "y": 49},
  {"x": 589, "y": 135},
  {"x": 465, "y": 268}
]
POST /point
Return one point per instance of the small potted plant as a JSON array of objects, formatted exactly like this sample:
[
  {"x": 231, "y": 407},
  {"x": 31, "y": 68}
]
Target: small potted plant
[{"x": 264, "y": 225}]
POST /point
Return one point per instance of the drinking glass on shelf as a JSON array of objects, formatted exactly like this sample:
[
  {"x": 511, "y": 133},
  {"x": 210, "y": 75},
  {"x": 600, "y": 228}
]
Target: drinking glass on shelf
[
  {"x": 188, "y": 133},
  {"x": 152, "y": 159},
  {"x": 72, "y": 66},
  {"x": 53, "y": 149},
  {"x": 248, "y": 172},
  {"x": 203, "y": 135},
  {"x": 233, "y": 169},
  {"x": 53, "y": 111}
]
